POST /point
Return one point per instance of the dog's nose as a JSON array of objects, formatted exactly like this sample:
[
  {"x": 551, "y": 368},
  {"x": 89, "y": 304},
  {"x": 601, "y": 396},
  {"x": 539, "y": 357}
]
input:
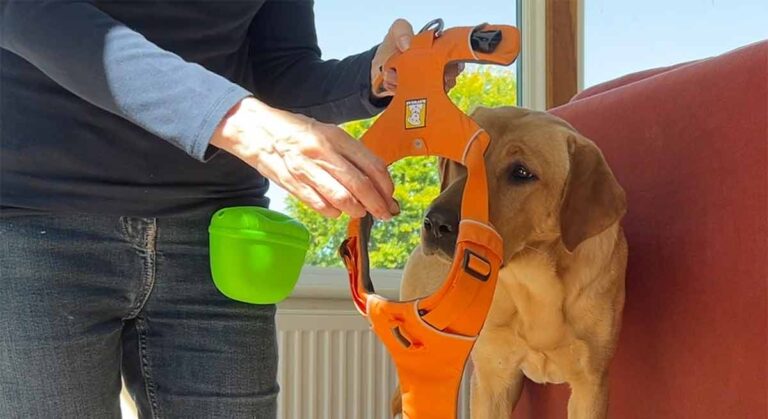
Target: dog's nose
[{"x": 441, "y": 223}]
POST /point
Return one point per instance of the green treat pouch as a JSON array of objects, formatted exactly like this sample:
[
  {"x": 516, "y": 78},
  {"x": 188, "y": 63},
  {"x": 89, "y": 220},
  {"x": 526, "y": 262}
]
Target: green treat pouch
[{"x": 256, "y": 254}]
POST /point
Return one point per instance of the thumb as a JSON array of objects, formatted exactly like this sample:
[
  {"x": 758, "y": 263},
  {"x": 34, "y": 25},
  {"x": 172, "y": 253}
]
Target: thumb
[{"x": 401, "y": 32}]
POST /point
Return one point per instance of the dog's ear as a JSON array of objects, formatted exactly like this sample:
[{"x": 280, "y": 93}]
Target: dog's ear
[
  {"x": 450, "y": 171},
  {"x": 593, "y": 200},
  {"x": 444, "y": 167}
]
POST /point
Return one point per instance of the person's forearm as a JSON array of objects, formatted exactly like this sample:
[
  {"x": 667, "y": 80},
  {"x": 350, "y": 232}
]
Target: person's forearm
[
  {"x": 290, "y": 74},
  {"x": 331, "y": 91},
  {"x": 109, "y": 65}
]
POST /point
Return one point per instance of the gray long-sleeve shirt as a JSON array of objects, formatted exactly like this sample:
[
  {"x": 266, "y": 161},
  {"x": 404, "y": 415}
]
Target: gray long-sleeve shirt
[{"x": 108, "y": 106}]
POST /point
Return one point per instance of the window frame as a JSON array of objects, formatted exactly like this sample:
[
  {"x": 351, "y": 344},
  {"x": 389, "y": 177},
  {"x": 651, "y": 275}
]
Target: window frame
[{"x": 532, "y": 64}]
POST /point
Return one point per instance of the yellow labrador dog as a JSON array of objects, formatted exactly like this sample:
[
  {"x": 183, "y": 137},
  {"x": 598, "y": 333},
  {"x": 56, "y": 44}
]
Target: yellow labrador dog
[{"x": 556, "y": 312}]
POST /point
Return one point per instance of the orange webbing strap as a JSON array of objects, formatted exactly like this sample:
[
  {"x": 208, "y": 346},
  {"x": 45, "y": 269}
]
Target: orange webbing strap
[
  {"x": 430, "y": 339},
  {"x": 430, "y": 368}
]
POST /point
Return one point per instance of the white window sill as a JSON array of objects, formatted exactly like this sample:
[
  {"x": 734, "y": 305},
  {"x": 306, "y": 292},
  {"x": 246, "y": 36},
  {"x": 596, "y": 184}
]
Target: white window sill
[{"x": 333, "y": 283}]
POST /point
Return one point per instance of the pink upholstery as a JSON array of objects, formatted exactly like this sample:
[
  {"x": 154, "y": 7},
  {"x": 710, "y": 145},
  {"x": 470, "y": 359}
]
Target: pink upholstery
[
  {"x": 690, "y": 146},
  {"x": 625, "y": 80}
]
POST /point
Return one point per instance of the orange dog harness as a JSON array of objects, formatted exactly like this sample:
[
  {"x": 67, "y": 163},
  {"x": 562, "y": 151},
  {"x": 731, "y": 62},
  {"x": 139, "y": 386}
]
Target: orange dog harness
[{"x": 430, "y": 339}]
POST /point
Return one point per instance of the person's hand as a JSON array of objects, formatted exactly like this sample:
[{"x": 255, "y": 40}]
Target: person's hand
[
  {"x": 398, "y": 39},
  {"x": 318, "y": 163}
]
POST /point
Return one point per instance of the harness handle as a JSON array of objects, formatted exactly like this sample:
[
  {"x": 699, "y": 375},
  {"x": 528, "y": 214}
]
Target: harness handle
[{"x": 483, "y": 41}]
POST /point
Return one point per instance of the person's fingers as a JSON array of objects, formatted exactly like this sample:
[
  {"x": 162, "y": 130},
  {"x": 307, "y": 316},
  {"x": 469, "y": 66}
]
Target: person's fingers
[
  {"x": 318, "y": 174},
  {"x": 401, "y": 32},
  {"x": 389, "y": 82},
  {"x": 390, "y": 88},
  {"x": 365, "y": 191},
  {"x": 390, "y": 76},
  {"x": 375, "y": 169},
  {"x": 316, "y": 158},
  {"x": 274, "y": 168},
  {"x": 312, "y": 198},
  {"x": 313, "y": 160},
  {"x": 398, "y": 39},
  {"x": 353, "y": 173}
]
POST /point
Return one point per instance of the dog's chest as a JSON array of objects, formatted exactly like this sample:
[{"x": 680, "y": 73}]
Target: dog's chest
[
  {"x": 535, "y": 300},
  {"x": 529, "y": 320}
]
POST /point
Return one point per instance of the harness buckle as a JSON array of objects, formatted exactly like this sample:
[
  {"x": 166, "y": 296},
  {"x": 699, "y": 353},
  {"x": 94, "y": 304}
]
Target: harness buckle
[{"x": 476, "y": 265}]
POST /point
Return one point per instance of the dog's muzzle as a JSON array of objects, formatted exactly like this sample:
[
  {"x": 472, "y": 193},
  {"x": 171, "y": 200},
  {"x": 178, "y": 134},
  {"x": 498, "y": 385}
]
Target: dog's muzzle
[{"x": 440, "y": 231}]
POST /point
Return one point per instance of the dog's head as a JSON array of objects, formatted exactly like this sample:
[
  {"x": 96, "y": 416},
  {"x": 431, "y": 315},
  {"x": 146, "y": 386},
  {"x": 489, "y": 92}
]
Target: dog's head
[{"x": 546, "y": 184}]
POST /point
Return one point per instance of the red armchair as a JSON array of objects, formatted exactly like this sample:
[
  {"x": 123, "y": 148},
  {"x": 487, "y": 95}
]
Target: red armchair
[{"x": 689, "y": 143}]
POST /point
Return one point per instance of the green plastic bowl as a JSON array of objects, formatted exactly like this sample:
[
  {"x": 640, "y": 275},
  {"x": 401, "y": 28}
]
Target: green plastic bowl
[{"x": 256, "y": 254}]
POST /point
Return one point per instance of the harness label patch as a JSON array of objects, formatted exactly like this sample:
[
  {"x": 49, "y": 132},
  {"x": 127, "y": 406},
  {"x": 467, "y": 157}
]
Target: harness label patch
[{"x": 415, "y": 113}]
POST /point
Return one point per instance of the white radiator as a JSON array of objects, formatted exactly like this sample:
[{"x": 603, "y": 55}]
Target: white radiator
[{"x": 332, "y": 365}]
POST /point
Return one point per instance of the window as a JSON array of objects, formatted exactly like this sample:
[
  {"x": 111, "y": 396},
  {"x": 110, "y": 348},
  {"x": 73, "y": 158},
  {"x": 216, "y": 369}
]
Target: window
[
  {"x": 622, "y": 37},
  {"x": 347, "y": 27}
]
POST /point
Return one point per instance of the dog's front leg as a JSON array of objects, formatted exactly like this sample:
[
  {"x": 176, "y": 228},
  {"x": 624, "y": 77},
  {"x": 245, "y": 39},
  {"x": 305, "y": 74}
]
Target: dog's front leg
[
  {"x": 396, "y": 403},
  {"x": 492, "y": 398},
  {"x": 589, "y": 399}
]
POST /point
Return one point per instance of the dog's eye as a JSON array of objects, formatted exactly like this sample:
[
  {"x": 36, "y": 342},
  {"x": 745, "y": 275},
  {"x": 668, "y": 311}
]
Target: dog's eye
[{"x": 521, "y": 173}]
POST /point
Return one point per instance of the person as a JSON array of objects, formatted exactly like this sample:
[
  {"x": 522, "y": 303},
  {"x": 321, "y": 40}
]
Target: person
[{"x": 125, "y": 125}]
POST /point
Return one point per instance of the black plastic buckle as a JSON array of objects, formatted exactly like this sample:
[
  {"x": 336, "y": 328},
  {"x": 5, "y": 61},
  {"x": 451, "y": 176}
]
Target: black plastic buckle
[
  {"x": 485, "y": 41},
  {"x": 468, "y": 255}
]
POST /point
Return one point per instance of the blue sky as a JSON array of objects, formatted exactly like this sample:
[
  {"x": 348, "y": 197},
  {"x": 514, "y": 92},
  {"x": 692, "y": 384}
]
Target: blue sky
[
  {"x": 620, "y": 36},
  {"x": 623, "y": 36}
]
